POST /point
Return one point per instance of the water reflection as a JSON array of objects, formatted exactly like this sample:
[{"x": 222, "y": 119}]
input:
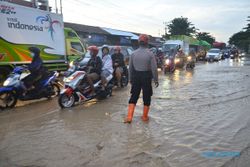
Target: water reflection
[{"x": 178, "y": 79}]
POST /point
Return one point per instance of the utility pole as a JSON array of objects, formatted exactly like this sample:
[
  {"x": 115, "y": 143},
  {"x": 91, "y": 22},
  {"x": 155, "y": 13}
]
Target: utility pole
[
  {"x": 165, "y": 27},
  {"x": 166, "y": 36},
  {"x": 61, "y": 7},
  {"x": 56, "y": 6}
]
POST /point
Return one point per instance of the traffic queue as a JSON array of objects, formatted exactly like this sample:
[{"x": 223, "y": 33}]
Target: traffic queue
[{"x": 93, "y": 75}]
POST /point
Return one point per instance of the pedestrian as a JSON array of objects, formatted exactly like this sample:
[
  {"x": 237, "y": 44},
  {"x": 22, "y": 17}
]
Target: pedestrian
[{"x": 142, "y": 67}]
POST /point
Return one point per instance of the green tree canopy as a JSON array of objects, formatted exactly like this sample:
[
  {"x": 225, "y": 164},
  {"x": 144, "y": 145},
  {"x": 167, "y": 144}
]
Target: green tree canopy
[
  {"x": 248, "y": 25},
  {"x": 242, "y": 39},
  {"x": 205, "y": 36},
  {"x": 181, "y": 26}
]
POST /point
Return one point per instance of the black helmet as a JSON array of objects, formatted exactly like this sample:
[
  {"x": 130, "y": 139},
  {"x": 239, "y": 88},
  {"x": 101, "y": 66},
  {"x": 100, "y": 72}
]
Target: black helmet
[{"x": 34, "y": 50}]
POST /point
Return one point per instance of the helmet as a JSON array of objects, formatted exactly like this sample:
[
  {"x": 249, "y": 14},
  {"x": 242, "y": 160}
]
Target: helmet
[
  {"x": 93, "y": 49},
  {"x": 105, "y": 46},
  {"x": 118, "y": 48},
  {"x": 143, "y": 38},
  {"x": 34, "y": 50}
]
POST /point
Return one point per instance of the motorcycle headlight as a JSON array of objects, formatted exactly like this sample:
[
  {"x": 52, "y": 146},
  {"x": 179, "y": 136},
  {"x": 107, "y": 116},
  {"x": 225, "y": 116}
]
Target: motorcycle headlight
[
  {"x": 189, "y": 57},
  {"x": 6, "y": 83},
  {"x": 167, "y": 61},
  {"x": 68, "y": 79},
  {"x": 71, "y": 64},
  {"x": 177, "y": 60}
]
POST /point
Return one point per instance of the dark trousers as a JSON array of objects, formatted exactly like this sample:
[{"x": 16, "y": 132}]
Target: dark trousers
[
  {"x": 141, "y": 81},
  {"x": 31, "y": 79}
]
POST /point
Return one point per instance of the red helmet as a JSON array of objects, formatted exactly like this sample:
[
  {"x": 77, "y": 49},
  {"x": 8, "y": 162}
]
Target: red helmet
[
  {"x": 143, "y": 38},
  {"x": 118, "y": 48},
  {"x": 93, "y": 49}
]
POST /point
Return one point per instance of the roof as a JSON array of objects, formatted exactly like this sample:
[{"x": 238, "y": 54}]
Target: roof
[
  {"x": 121, "y": 33},
  {"x": 85, "y": 28},
  {"x": 186, "y": 38}
]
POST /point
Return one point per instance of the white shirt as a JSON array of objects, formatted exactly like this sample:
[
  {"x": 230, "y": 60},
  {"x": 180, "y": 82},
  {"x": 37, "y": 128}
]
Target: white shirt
[{"x": 107, "y": 63}]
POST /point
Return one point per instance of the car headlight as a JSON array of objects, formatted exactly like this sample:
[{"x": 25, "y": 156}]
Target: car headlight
[
  {"x": 189, "y": 58},
  {"x": 177, "y": 60},
  {"x": 6, "y": 83},
  {"x": 167, "y": 61}
]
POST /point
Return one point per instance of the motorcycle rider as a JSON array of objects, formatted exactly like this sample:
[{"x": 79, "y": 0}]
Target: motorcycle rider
[
  {"x": 193, "y": 55},
  {"x": 118, "y": 64},
  {"x": 142, "y": 66},
  {"x": 36, "y": 69},
  {"x": 94, "y": 66},
  {"x": 181, "y": 56},
  {"x": 160, "y": 57},
  {"x": 107, "y": 68}
]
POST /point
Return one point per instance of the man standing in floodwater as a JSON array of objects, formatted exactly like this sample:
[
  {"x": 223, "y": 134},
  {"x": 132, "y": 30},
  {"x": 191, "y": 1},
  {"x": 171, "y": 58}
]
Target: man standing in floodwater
[{"x": 142, "y": 67}]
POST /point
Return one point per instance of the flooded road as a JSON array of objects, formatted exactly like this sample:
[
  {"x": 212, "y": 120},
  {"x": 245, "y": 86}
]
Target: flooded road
[{"x": 193, "y": 112}]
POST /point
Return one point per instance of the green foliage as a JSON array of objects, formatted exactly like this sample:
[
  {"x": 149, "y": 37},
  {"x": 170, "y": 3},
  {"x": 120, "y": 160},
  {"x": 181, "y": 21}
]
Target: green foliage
[
  {"x": 242, "y": 39},
  {"x": 205, "y": 36},
  {"x": 181, "y": 26}
]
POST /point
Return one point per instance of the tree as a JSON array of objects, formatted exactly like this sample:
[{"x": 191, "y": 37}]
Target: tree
[
  {"x": 181, "y": 26},
  {"x": 242, "y": 39},
  {"x": 205, "y": 36},
  {"x": 248, "y": 25}
]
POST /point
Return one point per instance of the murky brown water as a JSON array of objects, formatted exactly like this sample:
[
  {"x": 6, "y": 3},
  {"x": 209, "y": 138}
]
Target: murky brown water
[{"x": 192, "y": 112}]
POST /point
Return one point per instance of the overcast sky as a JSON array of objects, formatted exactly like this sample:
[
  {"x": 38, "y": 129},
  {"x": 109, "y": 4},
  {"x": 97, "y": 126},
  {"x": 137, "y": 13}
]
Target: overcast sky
[{"x": 221, "y": 18}]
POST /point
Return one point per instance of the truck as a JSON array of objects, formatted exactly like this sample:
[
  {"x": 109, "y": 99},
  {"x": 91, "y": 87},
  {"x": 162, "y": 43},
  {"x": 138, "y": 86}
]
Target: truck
[
  {"x": 187, "y": 44},
  {"x": 22, "y": 27},
  {"x": 175, "y": 44}
]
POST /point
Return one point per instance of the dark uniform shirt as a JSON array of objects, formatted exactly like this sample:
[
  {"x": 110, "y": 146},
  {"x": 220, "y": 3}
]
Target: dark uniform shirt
[
  {"x": 119, "y": 59},
  {"x": 96, "y": 64}
]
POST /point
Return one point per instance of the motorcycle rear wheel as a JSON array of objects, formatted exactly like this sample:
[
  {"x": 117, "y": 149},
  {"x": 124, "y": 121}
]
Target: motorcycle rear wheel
[{"x": 7, "y": 100}]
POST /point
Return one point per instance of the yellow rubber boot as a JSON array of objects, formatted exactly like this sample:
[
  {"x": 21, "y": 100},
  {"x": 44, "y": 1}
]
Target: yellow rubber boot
[
  {"x": 131, "y": 109},
  {"x": 145, "y": 113}
]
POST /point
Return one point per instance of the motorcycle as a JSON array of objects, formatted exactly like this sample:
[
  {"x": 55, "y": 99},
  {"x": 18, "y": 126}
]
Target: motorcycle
[
  {"x": 169, "y": 65},
  {"x": 179, "y": 62},
  {"x": 234, "y": 56},
  {"x": 190, "y": 63},
  {"x": 12, "y": 90},
  {"x": 77, "y": 89}
]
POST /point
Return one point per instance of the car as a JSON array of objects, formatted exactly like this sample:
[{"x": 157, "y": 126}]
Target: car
[
  {"x": 214, "y": 54},
  {"x": 125, "y": 50}
]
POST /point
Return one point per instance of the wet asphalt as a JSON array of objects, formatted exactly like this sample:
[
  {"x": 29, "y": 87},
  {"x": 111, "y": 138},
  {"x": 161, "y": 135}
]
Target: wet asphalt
[{"x": 193, "y": 112}]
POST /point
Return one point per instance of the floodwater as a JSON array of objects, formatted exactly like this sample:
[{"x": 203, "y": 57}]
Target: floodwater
[{"x": 192, "y": 112}]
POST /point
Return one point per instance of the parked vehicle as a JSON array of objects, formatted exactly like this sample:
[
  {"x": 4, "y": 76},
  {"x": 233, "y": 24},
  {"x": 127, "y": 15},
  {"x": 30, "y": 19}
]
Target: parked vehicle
[
  {"x": 77, "y": 90},
  {"x": 213, "y": 54},
  {"x": 125, "y": 50},
  {"x": 12, "y": 89},
  {"x": 22, "y": 27}
]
